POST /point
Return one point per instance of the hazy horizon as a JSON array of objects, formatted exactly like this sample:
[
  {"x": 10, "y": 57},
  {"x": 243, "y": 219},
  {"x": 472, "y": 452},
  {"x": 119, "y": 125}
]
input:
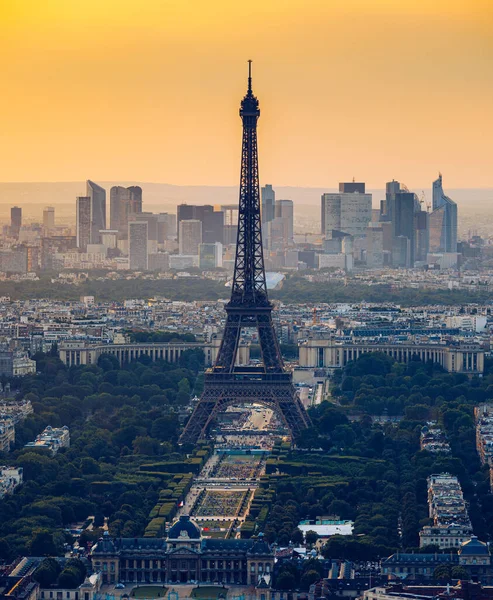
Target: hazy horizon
[{"x": 474, "y": 204}]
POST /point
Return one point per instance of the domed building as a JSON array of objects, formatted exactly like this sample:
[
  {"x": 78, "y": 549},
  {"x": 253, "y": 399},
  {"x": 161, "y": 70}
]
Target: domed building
[
  {"x": 185, "y": 556},
  {"x": 475, "y": 557}
]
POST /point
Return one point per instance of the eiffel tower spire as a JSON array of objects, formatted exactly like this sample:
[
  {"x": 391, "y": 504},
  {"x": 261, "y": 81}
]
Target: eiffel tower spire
[
  {"x": 249, "y": 285},
  {"x": 227, "y": 383}
]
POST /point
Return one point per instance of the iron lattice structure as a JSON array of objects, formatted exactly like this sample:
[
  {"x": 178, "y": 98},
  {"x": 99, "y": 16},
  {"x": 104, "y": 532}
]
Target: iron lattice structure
[{"x": 225, "y": 383}]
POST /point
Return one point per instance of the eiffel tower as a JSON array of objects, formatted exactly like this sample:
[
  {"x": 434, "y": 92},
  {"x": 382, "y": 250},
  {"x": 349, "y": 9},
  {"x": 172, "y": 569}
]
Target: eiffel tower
[{"x": 226, "y": 384}]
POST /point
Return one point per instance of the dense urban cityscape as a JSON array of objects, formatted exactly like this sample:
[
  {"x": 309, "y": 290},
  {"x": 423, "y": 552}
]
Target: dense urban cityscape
[{"x": 238, "y": 402}]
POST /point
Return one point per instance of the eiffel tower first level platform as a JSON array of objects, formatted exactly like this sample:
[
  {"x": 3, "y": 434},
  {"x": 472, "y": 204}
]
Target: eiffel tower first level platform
[
  {"x": 274, "y": 391},
  {"x": 227, "y": 384}
]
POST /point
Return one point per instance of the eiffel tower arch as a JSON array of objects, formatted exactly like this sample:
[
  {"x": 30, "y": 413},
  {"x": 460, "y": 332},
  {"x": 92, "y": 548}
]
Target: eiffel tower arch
[{"x": 270, "y": 383}]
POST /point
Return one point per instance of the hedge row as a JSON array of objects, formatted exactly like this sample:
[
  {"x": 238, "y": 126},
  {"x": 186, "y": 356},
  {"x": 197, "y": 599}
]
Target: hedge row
[{"x": 179, "y": 479}]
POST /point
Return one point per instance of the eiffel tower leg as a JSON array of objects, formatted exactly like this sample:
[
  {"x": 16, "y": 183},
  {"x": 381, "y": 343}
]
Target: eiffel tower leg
[
  {"x": 292, "y": 409},
  {"x": 197, "y": 425},
  {"x": 271, "y": 353},
  {"x": 229, "y": 345}
]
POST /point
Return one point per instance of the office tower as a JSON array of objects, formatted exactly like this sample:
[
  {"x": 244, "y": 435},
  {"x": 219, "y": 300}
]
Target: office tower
[
  {"x": 230, "y": 212},
  {"x": 284, "y": 210},
  {"x": 391, "y": 188},
  {"x": 123, "y": 203},
  {"x": 166, "y": 227},
  {"x": 212, "y": 221},
  {"x": 14, "y": 260},
  {"x": 109, "y": 238},
  {"x": 375, "y": 215},
  {"x": 137, "y": 245},
  {"x": 49, "y": 218},
  {"x": 276, "y": 235},
  {"x": 374, "y": 247},
  {"x": 97, "y": 194},
  {"x": 352, "y": 187},
  {"x": 33, "y": 258},
  {"x": 158, "y": 262},
  {"x": 190, "y": 234},
  {"x": 400, "y": 207},
  {"x": 152, "y": 221},
  {"x": 210, "y": 255},
  {"x": 349, "y": 210},
  {"x": 443, "y": 221},
  {"x": 403, "y": 227},
  {"x": 50, "y": 246},
  {"x": 119, "y": 208},
  {"x": 308, "y": 257},
  {"x": 422, "y": 235},
  {"x": 268, "y": 203},
  {"x": 401, "y": 251},
  {"x": 387, "y": 242},
  {"x": 83, "y": 222},
  {"x": 15, "y": 221},
  {"x": 135, "y": 199}
]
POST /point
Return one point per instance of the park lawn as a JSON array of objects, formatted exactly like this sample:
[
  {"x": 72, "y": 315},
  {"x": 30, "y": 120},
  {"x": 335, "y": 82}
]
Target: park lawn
[
  {"x": 209, "y": 592},
  {"x": 149, "y": 591}
]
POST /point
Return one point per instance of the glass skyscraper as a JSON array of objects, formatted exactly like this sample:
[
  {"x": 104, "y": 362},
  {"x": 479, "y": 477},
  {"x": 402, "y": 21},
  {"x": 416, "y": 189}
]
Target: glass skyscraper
[
  {"x": 443, "y": 221},
  {"x": 97, "y": 194}
]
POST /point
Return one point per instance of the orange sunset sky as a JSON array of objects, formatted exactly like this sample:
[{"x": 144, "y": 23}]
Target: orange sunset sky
[{"x": 149, "y": 90}]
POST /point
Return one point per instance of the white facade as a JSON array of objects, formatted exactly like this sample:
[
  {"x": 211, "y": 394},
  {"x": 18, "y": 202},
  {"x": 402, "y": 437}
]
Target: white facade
[
  {"x": 181, "y": 261},
  {"x": 347, "y": 212},
  {"x": 7, "y": 434},
  {"x": 335, "y": 261},
  {"x": 22, "y": 365},
  {"x": 10, "y": 478},
  {"x": 446, "y": 260},
  {"x": 475, "y": 323}
]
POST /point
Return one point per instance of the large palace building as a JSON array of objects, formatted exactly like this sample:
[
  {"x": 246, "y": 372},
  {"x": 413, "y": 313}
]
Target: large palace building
[{"x": 184, "y": 557}]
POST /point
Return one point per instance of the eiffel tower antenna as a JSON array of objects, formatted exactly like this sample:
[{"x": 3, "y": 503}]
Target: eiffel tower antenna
[{"x": 226, "y": 383}]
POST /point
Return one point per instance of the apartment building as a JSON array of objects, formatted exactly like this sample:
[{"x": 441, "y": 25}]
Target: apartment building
[
  {"x": 7, "y": 434},
  {"x": 433, "y": 439},
  {"x": 451, "y": 525},
  {"x": 52, "y": 439},
  {"x": 10, "y": 478}
]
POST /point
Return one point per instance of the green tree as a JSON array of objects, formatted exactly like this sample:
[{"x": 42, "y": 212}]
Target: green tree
[
  {"x": 145, "y": 445},
  {"x": 47, "y": 572},
  {"x": 459, "y": 572},
  {"x": 308, "y": 578},
  {"x": 311, "y": 537},
  {"x": 442, "y": 573},
  {"x": 43, "y": 544},
  {"x": 285, "y": 581}
]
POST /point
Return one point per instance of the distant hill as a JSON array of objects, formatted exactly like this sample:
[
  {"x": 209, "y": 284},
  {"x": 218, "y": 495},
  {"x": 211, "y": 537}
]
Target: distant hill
[{"x": 475, "y": 205}]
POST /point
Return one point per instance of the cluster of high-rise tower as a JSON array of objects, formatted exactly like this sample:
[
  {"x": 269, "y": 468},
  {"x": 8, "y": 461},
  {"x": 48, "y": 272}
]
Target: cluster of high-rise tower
[
  {"x": 132, "y": 231},
  {"x": 401, "y": 233}
]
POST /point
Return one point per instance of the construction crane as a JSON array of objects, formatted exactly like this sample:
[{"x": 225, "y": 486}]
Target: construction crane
[{"x": 422, "y": 201}]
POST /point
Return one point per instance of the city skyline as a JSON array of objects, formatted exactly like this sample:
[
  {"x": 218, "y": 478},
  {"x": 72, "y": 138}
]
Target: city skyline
[{"x": 352, "y": 83}]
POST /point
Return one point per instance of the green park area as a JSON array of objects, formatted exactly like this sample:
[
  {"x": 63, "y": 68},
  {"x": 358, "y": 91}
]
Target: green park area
[
  {"x": 209, "y": 592},
  {"x": 149, "y": 591}
]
